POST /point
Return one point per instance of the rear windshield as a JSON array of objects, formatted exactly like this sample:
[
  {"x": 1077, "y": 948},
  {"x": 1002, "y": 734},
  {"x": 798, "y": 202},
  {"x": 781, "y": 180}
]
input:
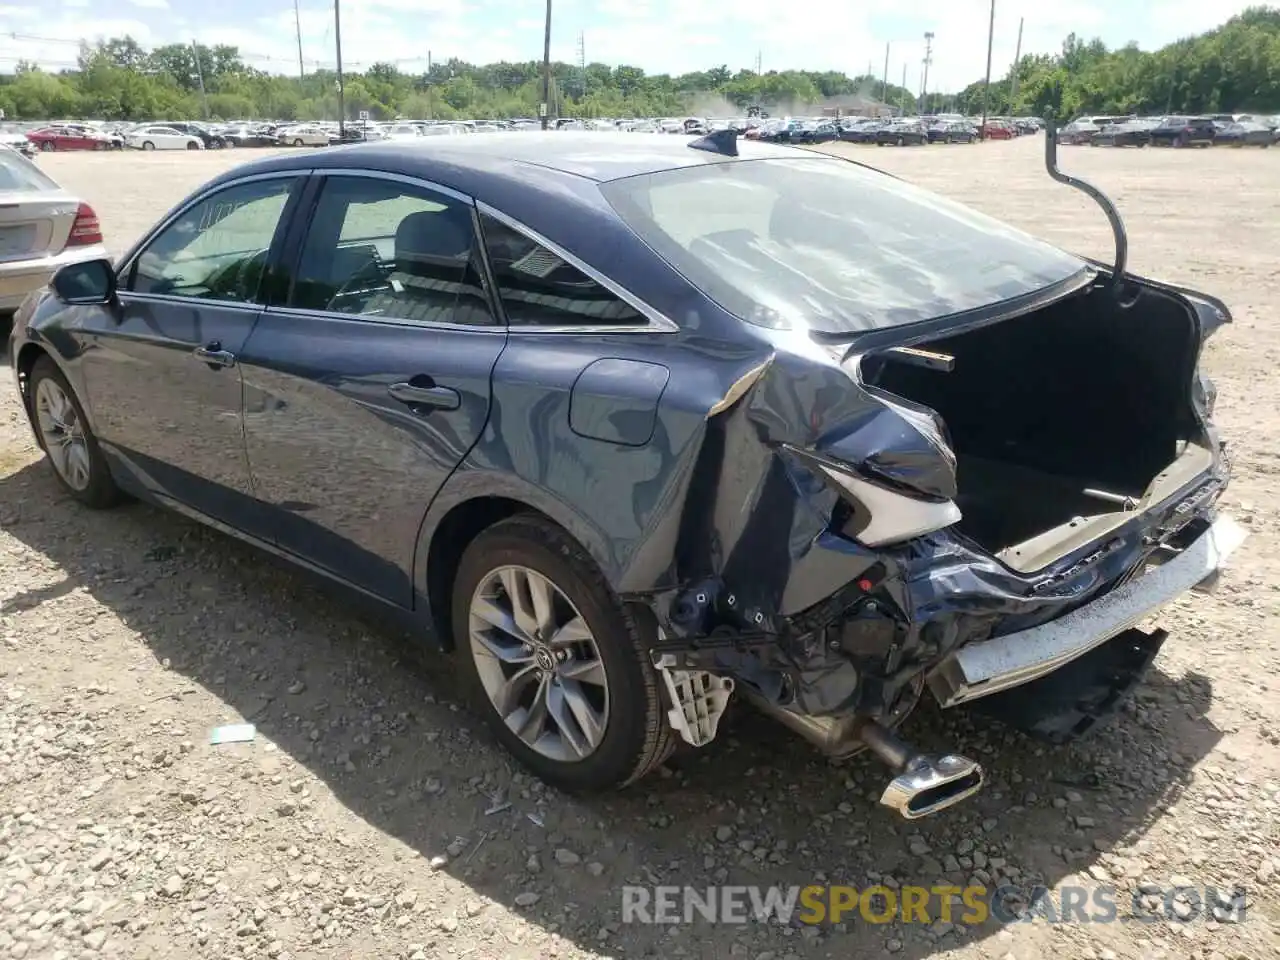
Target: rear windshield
[
  {"x": 17, "y": 173},
  {"x": 828, "y": 245}
]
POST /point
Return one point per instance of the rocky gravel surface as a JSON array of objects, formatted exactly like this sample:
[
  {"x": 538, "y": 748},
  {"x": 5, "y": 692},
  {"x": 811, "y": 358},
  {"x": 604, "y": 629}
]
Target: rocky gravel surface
[{"x": 371, "y": 816}]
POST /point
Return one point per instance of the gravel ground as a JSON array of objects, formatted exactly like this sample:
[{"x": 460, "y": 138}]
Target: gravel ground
[{"x": 361, "y": 823}]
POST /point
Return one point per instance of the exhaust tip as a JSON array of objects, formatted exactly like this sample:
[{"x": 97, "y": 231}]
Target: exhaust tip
[{"x": 930, "y": 784}]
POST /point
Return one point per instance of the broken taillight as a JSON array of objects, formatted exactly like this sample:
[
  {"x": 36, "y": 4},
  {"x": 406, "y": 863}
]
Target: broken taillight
[{"x": 86, "y": 229}]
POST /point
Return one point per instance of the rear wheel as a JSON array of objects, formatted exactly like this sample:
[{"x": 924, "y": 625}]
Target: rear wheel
[
  {"x": 65, "y": 436},
  {"x": 297, "y": 142},
  {"x": 555, "y": 662},
  {"x": 192, "y": 145},
  {"x": 902, "y": 142}
]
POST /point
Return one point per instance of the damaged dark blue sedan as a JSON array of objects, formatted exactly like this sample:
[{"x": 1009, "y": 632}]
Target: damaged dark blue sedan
[{"x": 633, "y": 425}]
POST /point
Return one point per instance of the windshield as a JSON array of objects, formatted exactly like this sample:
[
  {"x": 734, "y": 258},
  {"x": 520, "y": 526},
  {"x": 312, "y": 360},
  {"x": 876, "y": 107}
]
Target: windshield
[{"x": 829, "y": 245}]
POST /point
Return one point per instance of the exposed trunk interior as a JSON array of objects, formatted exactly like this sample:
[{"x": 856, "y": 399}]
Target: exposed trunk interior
[{"x": 1048, "y": 409}]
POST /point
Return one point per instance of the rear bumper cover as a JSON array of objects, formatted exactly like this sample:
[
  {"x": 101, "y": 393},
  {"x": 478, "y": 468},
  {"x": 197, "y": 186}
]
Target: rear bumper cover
[{"x": 982, "y": 668}]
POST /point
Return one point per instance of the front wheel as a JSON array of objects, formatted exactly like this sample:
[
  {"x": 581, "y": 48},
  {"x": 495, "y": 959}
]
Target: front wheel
[
  {"x": 48, "y": 146},
  {"x": 297, "y": 142},
  {"x": 555, "y": 662},
  {"x": 148, "y": 145},
  {"x": 192, "y": 145},
  {"x": 64, "y": 434}
]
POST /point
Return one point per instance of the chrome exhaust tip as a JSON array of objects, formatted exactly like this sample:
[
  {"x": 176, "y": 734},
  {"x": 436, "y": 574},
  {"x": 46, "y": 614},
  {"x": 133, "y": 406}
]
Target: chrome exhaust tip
[
  {"x": 932, "y": 784},
  {"x": 924, "y": 784}
]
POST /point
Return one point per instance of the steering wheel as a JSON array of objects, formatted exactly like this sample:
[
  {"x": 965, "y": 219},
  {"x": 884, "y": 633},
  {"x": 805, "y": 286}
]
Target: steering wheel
[
  {"x": 239, "y": 280},
  {"x": 374, "y": 270}
]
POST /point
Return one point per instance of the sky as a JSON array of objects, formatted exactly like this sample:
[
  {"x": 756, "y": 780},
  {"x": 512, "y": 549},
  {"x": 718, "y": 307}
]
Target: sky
[{"x": 660, "y": 36}]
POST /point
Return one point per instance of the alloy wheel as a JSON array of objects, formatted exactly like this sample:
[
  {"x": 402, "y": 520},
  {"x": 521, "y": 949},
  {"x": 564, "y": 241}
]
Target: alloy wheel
[
  {"x": 63, "y": 434},
  {"x": 539, "y": 664}
]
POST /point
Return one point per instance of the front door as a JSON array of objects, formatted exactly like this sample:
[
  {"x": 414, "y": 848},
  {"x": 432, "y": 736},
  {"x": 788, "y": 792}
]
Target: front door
[
  {"x": 163, "y": 374},
  {"x": 367, "y": 387}
]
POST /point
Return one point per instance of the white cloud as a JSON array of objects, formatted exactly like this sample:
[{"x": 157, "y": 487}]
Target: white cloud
[{"x": 660, "y": 36}]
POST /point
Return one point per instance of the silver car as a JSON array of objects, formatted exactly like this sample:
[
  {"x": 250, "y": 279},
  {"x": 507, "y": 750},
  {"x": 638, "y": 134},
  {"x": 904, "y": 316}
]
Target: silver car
[{"x": 42, "y": 228}]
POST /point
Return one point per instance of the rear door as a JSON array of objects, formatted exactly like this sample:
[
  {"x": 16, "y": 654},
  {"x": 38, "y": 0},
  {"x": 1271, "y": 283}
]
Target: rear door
[
  {"x": 163, "y": 373},
  {"x": 367, "y": 386}
]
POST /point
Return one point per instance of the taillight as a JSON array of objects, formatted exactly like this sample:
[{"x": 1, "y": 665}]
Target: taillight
[{"x": 86, "y": 230}]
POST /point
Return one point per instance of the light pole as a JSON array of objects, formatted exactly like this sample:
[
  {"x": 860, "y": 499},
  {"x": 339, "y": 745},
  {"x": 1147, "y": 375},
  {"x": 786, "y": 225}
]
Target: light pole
[
  {"x": 546, "y": 70},
  {"x": 928, "y": 59},
  {"x": 337, "y": 42},
  {"x": 986, "y": 83}
]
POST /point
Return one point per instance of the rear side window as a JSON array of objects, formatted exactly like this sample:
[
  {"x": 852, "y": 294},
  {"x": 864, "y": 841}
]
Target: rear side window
[
  {"x": 539, "y": 289},
  {"x": 384, "y": 248}
]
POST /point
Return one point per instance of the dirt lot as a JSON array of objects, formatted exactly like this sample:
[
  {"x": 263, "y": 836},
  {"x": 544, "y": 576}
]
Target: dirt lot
[{"x": 358, "y": 823}]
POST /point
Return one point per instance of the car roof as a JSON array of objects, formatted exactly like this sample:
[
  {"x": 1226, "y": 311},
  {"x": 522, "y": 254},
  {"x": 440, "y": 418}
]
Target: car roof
[{"x": 477, "y": 165}]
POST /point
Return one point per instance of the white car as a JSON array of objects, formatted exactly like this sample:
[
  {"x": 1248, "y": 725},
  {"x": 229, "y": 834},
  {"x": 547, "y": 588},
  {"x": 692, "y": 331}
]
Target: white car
[
  {"x": 403, "y": 131},
  {"x": 42, "y": 228},
  {"x": 157, "y": 137},
  {"x": 304, "y": 135}
]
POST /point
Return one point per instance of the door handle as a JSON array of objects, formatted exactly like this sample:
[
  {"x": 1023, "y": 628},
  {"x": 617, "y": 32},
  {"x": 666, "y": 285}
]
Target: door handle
[
  {"x": 213, "y": 354},
  {"x": 417, "y": 395}
]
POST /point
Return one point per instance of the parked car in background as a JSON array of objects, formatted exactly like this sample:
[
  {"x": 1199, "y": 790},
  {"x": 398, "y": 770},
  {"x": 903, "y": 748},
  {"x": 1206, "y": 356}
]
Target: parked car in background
[
  {"x": 861, "y": 130},
  {"x": 815, "y": 131},
  {"x": 246, "y": 136},
  {"x": 952, "y": 132},
  {"x": 1184, "y": 132},
  {"x": 42, "y": 228},
  {"x": 303, "y": 135},
  {"x": 1130, "y": 133},
  {"x": 161, "y": 137},
  {"x": 1245, "y": 133},
  {"x": 997, "y": 130},
  {"x": 15, "y": 138},
  {"x": 1078, "y": 132},
  {"x": 69, "y": 137},
  {"x": 208, "y": 138},
  {"x": 902, "y": 133}
]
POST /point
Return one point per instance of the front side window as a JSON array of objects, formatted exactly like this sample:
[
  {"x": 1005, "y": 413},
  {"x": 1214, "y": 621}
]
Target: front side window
[
  {"x": 384, "y": 248},
  {"x": 216, "y": 249},
  {"x": 828, "y": 245},
  {"x": 539, "y": 289}
]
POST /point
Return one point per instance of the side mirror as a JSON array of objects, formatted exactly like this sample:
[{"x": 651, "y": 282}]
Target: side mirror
[{"x": 89, "y": 282}]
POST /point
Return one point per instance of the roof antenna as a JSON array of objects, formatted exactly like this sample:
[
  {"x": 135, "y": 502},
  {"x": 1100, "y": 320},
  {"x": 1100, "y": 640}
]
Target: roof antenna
[
  {"x": 1102, "y": 200},
  {"x": 723, "y": 142}
]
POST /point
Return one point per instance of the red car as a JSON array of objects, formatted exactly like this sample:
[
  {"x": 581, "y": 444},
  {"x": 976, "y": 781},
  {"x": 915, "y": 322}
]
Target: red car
[
  {"x": 996, "y": 130},
  {"x": 69, "y": 137}
]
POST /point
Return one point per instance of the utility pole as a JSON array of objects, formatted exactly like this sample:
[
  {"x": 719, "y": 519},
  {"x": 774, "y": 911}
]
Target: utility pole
[
  {"x": 431, "y": 105},
  {"x": 337, "y": 42},
  {"x": 1017, "y": 58},
  {"x": 902, "y": 100},
  {"x": 928, "y": 59},
  {"x": 297, "y": 23},
  {"x": 204, "y": 99},
  {"x": 546, "y": 71},
  {"x": 884, "y": 84},
  {"x": 759, "y": 63},
  {"x": 986, "y": 83}
]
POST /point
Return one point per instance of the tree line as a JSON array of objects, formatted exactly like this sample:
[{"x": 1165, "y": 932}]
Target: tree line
[{"x": 1235, "y": 67}]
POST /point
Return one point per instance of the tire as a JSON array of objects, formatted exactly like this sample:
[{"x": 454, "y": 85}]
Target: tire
[
  {"x": 950, "y": 139},
  {"x": 192, "y": 145},
  {"x": 148, "y": 145},
  {"x": 636, "y": 736},
  {"x": 98, "y": 490},
  {"x": 902, "y": 142},
  {"x": 48, "y": 146},
  {"x": 297, "y": 142}
]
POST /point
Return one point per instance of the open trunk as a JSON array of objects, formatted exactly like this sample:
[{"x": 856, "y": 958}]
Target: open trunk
[{"x": 1063, "y": 420}]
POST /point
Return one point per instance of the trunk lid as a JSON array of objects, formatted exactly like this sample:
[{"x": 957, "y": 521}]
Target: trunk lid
[{"x": 34, "y": 223}]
